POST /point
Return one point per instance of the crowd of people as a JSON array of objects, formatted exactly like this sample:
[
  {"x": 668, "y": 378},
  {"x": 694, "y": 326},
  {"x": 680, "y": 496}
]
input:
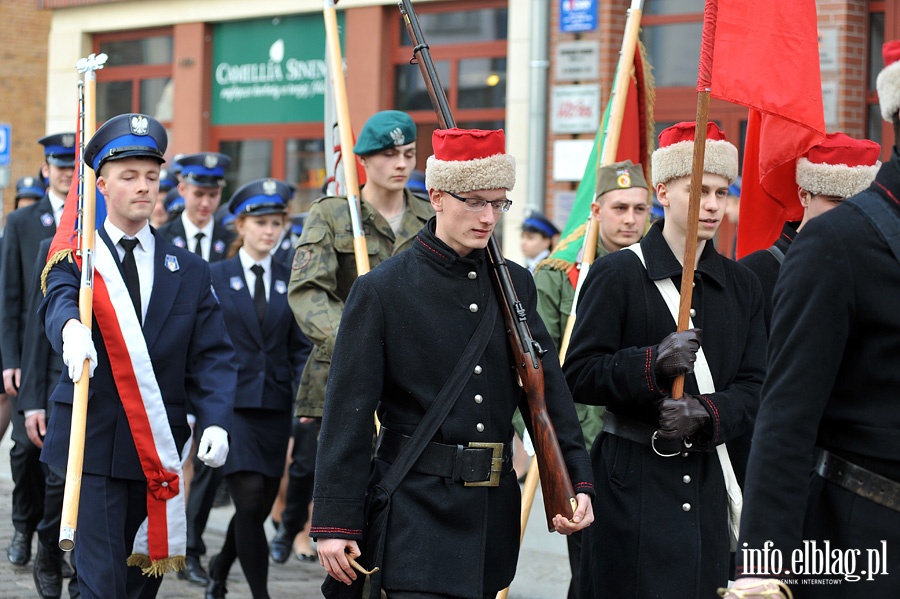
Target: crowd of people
[{"x": 231, "y": 353}]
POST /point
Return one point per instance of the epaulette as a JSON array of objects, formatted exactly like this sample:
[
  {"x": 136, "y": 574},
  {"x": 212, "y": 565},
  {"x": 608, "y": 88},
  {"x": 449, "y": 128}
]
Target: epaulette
[{"x": 328, "y": 197}]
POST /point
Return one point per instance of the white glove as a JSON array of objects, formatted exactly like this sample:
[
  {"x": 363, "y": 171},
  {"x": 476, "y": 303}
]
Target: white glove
[
  {"x": 213, "y": 447},
  {"x": 78, "y": 346}
]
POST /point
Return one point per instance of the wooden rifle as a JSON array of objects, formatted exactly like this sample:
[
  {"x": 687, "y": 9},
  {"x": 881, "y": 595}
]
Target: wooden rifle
[{"x": 559, "y": 495}]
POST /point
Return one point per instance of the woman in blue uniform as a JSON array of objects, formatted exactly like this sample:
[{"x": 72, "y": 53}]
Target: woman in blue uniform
[{"x": 270, "y": 351}]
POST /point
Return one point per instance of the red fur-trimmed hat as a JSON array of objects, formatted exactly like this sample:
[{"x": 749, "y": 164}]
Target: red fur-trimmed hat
[
  {"x": 840, "y": 166},
  {"x": 469, "y": 160},
  {"x": 888, "y": 82},
  {"x": 675, "y": 155}
]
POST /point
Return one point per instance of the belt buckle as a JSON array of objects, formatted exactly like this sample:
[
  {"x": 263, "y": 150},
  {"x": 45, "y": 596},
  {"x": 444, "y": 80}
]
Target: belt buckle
[{"x": 496, "y": 464}]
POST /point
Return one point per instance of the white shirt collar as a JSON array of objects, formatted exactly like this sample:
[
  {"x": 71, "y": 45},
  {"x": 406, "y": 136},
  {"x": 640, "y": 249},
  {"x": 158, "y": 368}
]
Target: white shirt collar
[
  {"x": 56, "y": 203},
  {"x": 247, "y": 261},
  {"x": 144, "y": 236},
  {"x": 191, "y": 230}
]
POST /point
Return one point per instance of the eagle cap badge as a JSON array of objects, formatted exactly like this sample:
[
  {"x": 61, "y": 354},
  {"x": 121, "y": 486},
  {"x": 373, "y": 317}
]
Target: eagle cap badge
[
  {"x": 140, "y": 125},
  {"x": 269, "y": 187},
  {"x": 397, "y": 136},
  {"x": 210, "y": 161}
]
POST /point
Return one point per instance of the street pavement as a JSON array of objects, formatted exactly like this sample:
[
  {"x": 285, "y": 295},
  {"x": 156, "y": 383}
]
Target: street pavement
[{"x": 543, "y": 571}]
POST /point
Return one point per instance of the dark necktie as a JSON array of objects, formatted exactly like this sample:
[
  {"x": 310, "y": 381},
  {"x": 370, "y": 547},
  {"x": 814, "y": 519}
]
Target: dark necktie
[
  {"x": 259, "y": 293},
  {"x": 132, "y": 281},
  {"x": 198, "y": 248}
]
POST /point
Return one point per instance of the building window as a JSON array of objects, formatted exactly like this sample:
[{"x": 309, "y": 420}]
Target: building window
[
  {"x": 875, "y": 125},
  {"x": 468, "y": 48},
  {"x": 137, "y": 76}
]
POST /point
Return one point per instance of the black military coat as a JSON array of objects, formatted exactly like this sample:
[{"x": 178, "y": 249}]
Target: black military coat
[
  {"x": 404, "y": 327},
  {"x": 661, "y": 523},
  {"x": 832, "y": 382},
  {"x": 765, "y": 266}
]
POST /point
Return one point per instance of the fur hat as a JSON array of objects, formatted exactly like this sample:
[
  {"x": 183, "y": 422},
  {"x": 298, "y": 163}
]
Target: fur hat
[
  {"x": 675, "y": 155},
  {"x": 469, "y": 160},
  {"x": 888, "y": 82},
  {"x": 839, "y": 166}
]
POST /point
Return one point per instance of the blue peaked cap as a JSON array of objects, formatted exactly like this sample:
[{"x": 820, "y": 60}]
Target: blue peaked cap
[
  {"x": 205, "y": 169},
  {"x": 127, "y": 136},
  {"x": 261, "y": 196}
]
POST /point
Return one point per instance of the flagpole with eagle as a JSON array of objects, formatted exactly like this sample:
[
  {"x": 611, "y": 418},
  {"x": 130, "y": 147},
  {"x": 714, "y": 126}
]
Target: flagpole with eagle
[{"x": 86, "y": 214}]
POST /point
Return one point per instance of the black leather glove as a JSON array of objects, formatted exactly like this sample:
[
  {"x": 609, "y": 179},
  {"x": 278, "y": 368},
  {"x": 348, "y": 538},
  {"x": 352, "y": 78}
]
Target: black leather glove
[
  {"x": 676, "y": 353},
  {"x": 681, "y": 418}
]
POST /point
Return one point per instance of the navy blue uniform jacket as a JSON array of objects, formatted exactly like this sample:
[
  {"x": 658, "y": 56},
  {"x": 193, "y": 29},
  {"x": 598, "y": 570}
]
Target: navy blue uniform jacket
[
  {"x": 25, "y": 228},
  {"x": 191, "y": 353},
  {"x": 271, "y": 357},
  {"x": 218, "y": 248}
]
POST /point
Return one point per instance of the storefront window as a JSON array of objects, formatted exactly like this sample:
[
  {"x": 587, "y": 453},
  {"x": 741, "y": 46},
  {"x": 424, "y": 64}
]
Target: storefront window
[
  {"x": 482, "y": 83},
  {"x": 672, "y": 7},
  {"x": 409, "y": 86},
  {"x": 674, "y": 52},
  {"x": 146, "y": 50},
  {"x": 250, "y": 159},
  {"x": 305, "y": 170},
  {"x": 137, "y": 76},
  {"x": 464, "y": 26}
]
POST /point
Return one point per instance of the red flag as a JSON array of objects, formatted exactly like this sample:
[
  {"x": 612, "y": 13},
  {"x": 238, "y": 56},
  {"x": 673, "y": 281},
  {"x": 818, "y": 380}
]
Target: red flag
[
  {"x": 766, "y": 57},
  {"x": 66, "y": 237}
]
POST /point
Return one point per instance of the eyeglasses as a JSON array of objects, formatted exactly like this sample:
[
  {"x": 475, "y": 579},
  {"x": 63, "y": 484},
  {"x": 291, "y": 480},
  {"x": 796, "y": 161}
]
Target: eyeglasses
[{"x": 478, "y": 204}]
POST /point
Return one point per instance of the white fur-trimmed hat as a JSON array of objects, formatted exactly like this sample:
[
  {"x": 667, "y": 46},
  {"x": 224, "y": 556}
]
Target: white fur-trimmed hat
[
  {"x": 469, "y": 160},
  {"x": 839, "y": 166},
  {"x": 888, "y": 82},
  {"x": 675, "y": 155}
]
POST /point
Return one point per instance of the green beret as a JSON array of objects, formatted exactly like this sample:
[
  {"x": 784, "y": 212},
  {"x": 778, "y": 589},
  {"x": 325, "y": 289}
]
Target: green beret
[
  {"x": 619, "y": 175},
  {"x": 383, "y": 130}
]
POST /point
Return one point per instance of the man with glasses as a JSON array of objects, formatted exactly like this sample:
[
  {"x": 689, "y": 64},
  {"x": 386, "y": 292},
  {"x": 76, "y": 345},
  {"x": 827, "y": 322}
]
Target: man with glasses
[{"x": 453, "y": 528}]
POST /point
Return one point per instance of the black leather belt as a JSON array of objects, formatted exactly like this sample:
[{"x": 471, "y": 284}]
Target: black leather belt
[
  {"x": 639, "y": 432},
  {"x": 475, "y": 465},
  {"x": 858, "y": 480}
]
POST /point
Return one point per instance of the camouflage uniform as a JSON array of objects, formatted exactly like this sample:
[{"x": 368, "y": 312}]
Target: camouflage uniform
[
  {"x": 323, "y": 270},
  {"x": 555, "y": 296}
]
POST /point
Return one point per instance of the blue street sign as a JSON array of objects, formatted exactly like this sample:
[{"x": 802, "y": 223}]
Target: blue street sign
[
  {"x": 5, "y": 143},
  {"x": 577, "y": 15}
]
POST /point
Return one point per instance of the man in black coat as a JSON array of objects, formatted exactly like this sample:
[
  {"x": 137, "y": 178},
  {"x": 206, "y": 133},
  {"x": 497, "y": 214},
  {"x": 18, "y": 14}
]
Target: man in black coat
[
  {"x": 837, "y": 168},
  {"x": 404, "y": 328},
  {"x": 25, "y": 229},
  {"x": 665, "y": 525},
  {"x": 829, "y": 403}
]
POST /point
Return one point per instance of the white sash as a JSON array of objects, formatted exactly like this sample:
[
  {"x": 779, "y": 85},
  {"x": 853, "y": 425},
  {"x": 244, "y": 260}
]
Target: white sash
[{"x": 706, "y": 385}]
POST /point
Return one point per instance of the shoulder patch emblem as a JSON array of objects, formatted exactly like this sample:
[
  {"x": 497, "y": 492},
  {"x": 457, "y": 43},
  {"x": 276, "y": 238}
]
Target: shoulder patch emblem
[{"x": 301, "y": 258}]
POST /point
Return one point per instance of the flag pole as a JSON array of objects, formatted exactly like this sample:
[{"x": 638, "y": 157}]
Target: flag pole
[
  {"x": 88, "y": 205},
  {"x": 348, "y": 158},
  {"x": 704, "y": 85},
  {"x": 618, "y": 99},
  {"x": 607, "y": 154}
]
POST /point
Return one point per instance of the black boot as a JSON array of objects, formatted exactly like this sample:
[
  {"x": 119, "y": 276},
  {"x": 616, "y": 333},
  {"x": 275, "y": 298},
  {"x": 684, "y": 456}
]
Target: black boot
[
  {"x": 19, "y": 549},
  {"x": 48, "y": 572},
  {"x": 193, "y": 571},
  {"x": 216, "y": 587},
  {"x": 282, "y": 545}
]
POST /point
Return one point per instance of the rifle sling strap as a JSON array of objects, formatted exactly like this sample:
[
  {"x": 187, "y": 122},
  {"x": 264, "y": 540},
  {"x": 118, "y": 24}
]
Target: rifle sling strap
[{"x": 444, "y": 401}]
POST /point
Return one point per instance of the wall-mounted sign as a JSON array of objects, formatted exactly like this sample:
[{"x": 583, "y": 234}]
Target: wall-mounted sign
[
  {"x": 578, "y": 60},
  {"x": 577, "y": 15},
  {"x": 829, "y": 49},
  {"x": 269, "y": 71},
  {"x": 575, "y": 109},
  {"x": 570, "y": 156}
]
